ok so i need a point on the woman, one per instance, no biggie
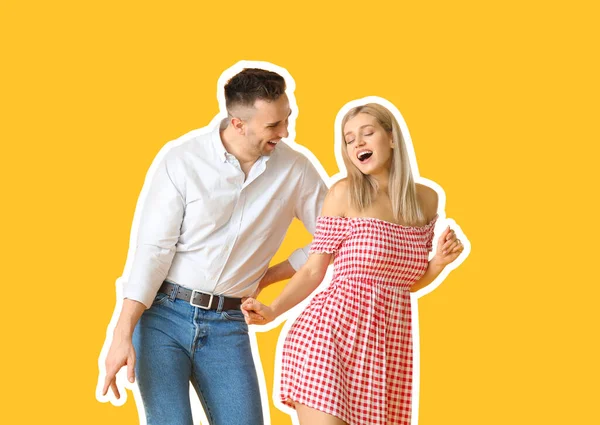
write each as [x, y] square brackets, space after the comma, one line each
[348, 357]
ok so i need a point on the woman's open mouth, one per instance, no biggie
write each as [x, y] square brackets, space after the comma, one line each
[364, 155]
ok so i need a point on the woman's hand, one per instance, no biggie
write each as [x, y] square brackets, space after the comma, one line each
[448, 249]
[256, 313]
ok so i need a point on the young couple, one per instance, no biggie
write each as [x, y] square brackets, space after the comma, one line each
[212, 216]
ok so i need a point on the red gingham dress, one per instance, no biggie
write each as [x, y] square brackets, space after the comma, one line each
[350, 352]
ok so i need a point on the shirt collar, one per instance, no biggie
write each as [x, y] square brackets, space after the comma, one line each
[218, 143]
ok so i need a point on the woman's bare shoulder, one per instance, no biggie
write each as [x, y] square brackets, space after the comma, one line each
[336, 202]
[428, 199]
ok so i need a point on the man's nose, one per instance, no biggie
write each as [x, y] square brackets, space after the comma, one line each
[283, 133]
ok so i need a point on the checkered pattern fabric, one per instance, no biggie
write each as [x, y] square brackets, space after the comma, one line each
[349, 353]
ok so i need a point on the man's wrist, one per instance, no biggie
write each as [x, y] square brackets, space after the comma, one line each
[266, 280]
[276, 274]
[123, 332]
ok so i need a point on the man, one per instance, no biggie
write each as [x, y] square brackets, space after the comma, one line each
[216, 211]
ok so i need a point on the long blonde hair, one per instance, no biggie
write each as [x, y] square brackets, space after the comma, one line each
[401, 186]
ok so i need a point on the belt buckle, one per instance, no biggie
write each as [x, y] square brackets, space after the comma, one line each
[207, 307]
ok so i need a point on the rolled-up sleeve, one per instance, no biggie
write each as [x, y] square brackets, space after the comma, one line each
[308, 208]
[158, 232]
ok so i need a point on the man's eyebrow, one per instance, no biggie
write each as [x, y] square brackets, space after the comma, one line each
[362, 126]
[276, 123]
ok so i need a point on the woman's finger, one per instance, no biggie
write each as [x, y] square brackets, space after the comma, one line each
[256, 321]
[448, 244]
[252, 305]
[459, 247]
[254, 316]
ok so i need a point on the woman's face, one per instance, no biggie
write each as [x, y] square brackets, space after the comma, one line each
[368, 145]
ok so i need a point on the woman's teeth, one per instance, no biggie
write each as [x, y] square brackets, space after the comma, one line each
[364, 155]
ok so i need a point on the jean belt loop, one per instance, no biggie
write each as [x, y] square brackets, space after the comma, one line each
[221, 300]
[174, 292]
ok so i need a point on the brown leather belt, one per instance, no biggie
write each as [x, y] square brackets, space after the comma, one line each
[200, 299]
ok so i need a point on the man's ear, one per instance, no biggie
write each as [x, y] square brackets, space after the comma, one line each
[238, 118]
[238, 125]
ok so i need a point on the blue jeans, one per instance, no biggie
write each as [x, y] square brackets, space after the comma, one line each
[176, 343]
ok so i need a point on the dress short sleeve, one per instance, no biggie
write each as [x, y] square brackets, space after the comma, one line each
[429, 232]
[330, 233]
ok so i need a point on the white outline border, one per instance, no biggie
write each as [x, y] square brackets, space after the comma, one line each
[197, 411]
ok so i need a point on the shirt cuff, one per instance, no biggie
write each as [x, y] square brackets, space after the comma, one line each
[299, 257]
[136, 293]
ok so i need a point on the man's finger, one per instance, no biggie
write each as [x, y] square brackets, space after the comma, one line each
[111, 375]
[106, 385]
[131, 368]
[115, 389]
[249, 301]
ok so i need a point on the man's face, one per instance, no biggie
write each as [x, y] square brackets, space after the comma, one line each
[267, 125]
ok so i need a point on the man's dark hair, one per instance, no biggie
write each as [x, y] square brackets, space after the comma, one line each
[251, 84]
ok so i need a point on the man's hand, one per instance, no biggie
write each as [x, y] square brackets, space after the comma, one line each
[121, 353]
[256, 313]
[121, 350]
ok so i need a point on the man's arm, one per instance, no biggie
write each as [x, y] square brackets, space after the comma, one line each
[277, 273]
[121, 351]
[160, 221]
[158, 232]
[313, 191]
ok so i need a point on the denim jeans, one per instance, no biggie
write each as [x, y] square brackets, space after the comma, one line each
[177, 343]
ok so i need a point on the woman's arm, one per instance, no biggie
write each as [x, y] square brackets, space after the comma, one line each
[448, 250]
[302, 284]
[433, 271]
[310, 275]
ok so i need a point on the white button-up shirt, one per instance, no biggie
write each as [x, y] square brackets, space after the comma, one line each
[205, 226]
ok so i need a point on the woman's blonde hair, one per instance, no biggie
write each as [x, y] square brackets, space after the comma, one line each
[401, 186]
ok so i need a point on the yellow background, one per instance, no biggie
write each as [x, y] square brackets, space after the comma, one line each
[502, 103]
